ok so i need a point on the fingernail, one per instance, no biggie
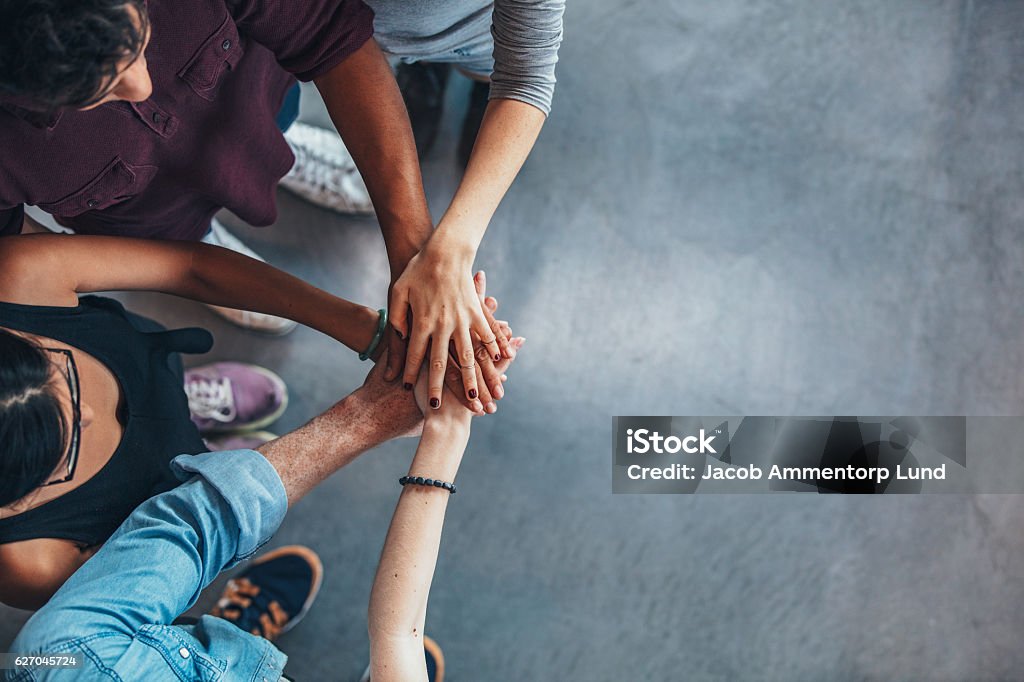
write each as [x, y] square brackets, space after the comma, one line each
[504, 377]
[498, 391]
[435, 402]
[472, 393]
[491, 408]
[407, 386]
[497, 357]
[477, 407]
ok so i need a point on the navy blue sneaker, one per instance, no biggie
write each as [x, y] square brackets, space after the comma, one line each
[435, 662]
[273, 593]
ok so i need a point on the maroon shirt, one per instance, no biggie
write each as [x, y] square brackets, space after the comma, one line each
[205, 140]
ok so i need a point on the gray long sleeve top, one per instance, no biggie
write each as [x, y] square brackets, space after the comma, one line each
[514, 41]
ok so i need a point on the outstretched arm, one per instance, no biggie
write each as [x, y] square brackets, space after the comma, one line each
[398, 601]
[435, 286]
[399, 597]
[51, 270]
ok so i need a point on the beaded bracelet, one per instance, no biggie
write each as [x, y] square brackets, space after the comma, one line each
[419, 480]
[382, 323]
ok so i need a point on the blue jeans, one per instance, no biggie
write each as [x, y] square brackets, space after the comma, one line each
[115, 612]
[289, 109]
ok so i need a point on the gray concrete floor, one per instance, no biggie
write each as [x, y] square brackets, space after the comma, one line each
[739, 207]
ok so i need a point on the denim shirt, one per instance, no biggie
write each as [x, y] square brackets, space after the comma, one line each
[116, 611]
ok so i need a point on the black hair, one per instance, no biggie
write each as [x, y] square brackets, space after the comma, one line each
[33, 430]
[57, 53]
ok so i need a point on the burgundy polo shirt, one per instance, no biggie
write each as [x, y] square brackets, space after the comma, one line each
[205, 140]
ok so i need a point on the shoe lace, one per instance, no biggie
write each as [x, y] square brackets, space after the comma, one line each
[211, 398]
[238, 596]
[326, 172]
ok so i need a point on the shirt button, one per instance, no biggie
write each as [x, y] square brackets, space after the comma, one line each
[92, 203]
[226, 45]
[157, 117]
[183, 652]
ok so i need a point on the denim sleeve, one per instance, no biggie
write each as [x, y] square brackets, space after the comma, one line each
[171, 547]
[527, 35]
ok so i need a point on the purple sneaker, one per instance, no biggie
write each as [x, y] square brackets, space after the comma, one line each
[250, 440]
[226, 397]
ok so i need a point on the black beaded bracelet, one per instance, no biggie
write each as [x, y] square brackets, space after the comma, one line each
[419, 480]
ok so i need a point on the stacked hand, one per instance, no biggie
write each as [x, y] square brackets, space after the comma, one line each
[451, 324]
[475, 378]
[407, 415]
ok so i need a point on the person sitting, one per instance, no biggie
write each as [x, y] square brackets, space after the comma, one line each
[229, 505]
[93, 402]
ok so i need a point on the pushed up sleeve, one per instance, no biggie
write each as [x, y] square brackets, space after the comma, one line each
[527, 35]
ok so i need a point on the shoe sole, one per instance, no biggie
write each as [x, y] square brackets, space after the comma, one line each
[318, 575]
[435, 651]
[311, 199]
[265, 421]
[222, 312]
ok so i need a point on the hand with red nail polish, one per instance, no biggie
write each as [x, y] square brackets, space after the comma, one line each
[478, 385]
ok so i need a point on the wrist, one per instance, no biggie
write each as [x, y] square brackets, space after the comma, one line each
[452, 246]
[440, 452]
[404, 243]
[447, 429]
[357, 328]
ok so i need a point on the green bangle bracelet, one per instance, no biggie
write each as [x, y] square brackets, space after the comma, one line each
[382, 323]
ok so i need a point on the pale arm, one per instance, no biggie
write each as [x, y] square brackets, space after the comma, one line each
[398, 600]
[507, 134]
[399, 597]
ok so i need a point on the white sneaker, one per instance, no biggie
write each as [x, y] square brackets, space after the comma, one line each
[324, 172]
[260, 322]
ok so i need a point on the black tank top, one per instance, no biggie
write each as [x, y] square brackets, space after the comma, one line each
[143, 357]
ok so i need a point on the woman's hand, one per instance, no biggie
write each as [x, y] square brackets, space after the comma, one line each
[453, 409]
[437, 292]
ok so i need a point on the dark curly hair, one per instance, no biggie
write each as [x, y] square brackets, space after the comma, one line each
[33, 430]
[59, 53]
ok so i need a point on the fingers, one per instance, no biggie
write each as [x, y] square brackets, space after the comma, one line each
[504, 363]
[414, 358]
[399, 312]
[435, 379]
[396, 355]
[467, 363]
[397, 334]
[453, 382]
[485, 398]
[499, 346]
[489, 336]
[489, 329]
[480, 282]
[489, 377]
